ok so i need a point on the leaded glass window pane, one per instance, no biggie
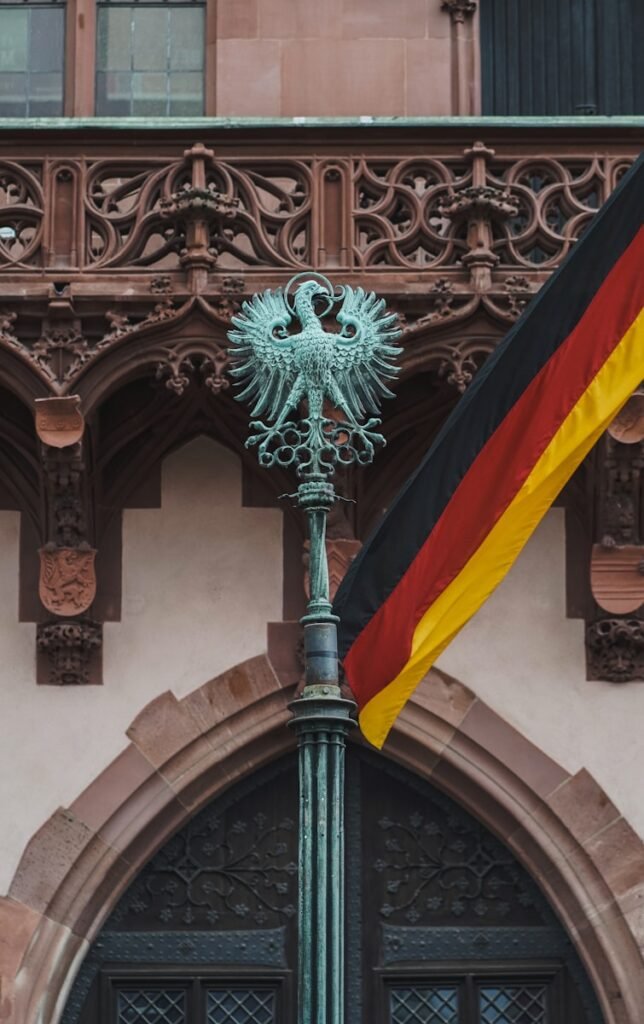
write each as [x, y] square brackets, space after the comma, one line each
[513, 1004]
[424, 1005]
[31, 60]
[241, 1006]
[151, 1006]
[150, 60]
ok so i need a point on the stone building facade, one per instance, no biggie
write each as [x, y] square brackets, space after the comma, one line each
[143, 722]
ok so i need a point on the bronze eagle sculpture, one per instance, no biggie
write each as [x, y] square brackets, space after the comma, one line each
[279, 365]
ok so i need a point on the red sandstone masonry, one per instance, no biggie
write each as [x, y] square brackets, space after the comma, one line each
[616, 851]
[511, 748]
[102, 798]
[583, 805]
[48, 858]
[163, 728]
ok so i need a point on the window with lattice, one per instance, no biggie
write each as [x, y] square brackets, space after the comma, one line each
[467, 998]
[150, 58]
[32, 39]
[190, 997]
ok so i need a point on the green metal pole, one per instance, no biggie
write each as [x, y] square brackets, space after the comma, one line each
[281, 368]
[321, 719]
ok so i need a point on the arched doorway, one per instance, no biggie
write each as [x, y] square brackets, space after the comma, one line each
[443, 925]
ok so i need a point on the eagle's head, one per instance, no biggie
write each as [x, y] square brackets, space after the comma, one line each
[307, 294]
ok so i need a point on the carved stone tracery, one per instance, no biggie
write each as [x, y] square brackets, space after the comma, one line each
[250, 214]
[61, 351]
[22, 201]
[457, 235]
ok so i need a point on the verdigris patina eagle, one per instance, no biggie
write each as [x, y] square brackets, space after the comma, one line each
[279, 366]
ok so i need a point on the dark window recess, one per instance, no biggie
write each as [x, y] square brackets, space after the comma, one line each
[31, 59]
[150, 59]
[544, 57]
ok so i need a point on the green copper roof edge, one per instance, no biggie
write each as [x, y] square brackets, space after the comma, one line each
[245, 123]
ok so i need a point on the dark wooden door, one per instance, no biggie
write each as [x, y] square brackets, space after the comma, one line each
[443, 925]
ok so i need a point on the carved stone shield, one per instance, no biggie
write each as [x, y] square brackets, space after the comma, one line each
[67, 579]
[628, 425]
[616, 577]
[59, 421]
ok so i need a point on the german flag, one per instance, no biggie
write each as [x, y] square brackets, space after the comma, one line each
[533, 412]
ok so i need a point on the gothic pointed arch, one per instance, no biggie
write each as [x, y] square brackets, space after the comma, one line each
[183, 753]
[174, 341]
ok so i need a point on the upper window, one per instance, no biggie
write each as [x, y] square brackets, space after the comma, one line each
[548, 58]
[150, 59]
[31, 58]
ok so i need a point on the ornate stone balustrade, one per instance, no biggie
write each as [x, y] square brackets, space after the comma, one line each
[124, 253]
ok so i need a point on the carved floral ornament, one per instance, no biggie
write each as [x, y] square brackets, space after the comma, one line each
[616, 650]
[68, 647]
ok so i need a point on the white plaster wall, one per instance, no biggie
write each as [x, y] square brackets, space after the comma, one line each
[201, 578]
[523, 657]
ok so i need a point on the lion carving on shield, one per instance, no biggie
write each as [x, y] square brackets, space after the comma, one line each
[67, 579]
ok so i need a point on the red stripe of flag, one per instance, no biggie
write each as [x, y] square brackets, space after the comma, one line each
[383, 647]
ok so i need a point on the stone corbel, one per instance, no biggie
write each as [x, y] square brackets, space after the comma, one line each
[68, 643]
[459, 10]
[615, 649]
[69, 651]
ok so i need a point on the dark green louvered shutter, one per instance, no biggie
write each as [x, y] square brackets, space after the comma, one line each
[548, 57]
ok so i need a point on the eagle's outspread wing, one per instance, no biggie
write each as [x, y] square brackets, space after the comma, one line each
[262, 352]
[364, 351]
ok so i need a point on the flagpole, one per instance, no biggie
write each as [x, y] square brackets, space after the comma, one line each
[346, 370]
[321, 720]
